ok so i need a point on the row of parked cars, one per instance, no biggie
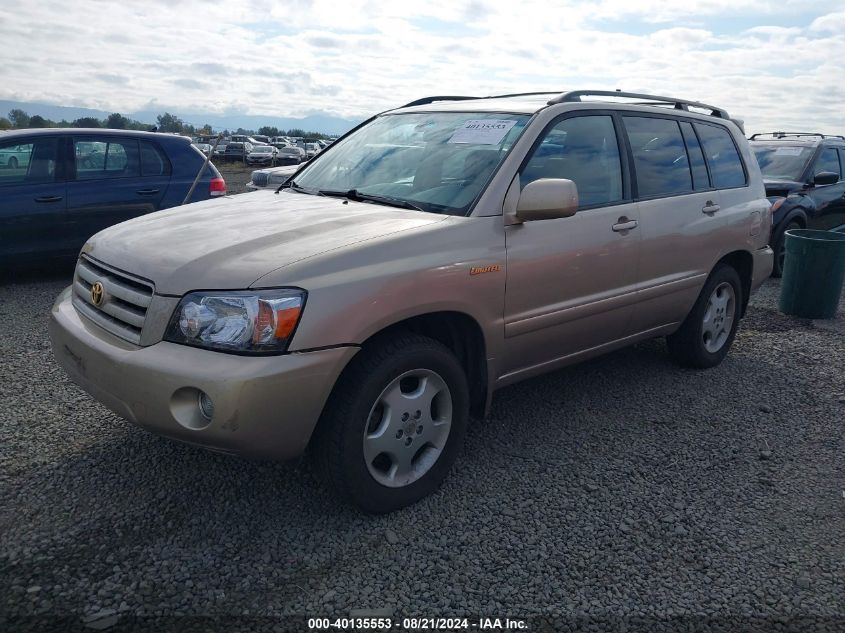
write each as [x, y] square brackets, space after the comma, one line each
[262, 150]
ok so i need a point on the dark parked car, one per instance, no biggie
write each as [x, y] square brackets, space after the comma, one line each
[805, 180]
[237, 150]
[67, 184]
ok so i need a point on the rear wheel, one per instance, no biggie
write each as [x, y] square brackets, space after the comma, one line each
[707, 333]
[394, 424]
[780, 249]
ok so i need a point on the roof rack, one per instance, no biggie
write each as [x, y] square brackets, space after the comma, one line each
[785, 134]
[427, 100]
[679, 104]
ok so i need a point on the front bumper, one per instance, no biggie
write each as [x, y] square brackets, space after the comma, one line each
[264, 406]
[764, 259]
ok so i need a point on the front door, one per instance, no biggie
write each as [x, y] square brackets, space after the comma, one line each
[571, 282]
[828, 200]
[32, 198]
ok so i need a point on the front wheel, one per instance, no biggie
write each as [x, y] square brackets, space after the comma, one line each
[707, 333]
[780, 250]
[394, 423]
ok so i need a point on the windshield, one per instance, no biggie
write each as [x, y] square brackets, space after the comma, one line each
[438, 162]
[263, 149]
[781, 162]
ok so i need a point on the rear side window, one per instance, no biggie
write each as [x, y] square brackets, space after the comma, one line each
[722, 156]
[700, 179]
[582, 149]
[33, 161]
[101, 159]
[660, 156]
[828, 161]
[153, 161]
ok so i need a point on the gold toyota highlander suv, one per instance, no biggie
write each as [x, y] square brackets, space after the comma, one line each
[434, 254]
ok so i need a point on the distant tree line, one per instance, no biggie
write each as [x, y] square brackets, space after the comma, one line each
[18, 119]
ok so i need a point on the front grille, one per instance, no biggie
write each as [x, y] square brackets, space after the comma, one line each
[124, 303]
[260, 180]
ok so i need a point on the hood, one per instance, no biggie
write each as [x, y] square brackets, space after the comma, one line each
[231, 242]
[781, 187]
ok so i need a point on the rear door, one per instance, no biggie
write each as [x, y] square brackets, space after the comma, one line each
[109, 184]
[829, 200]
[32, 197]
[680, 217]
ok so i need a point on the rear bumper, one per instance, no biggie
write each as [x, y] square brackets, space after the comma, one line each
[263, 406]
[764, 259]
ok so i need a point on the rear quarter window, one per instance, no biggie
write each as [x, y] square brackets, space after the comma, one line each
[153, 160]
[726, 168]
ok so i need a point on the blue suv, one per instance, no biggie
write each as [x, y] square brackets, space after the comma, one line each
[58, 187]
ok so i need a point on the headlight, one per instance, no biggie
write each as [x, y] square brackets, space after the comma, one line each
[245, 322]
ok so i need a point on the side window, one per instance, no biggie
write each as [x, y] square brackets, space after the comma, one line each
[842, 161]
[722, 157]
[660, 156]
[153, 161]
[115, 158]
[828, 161]
[28, 162]
[583, 149]
[700, 179]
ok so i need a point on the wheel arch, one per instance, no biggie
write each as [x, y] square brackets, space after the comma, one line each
[462, 335]
[743, 263]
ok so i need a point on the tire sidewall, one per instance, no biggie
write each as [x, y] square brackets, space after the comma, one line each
[720, 275]
[365, 490]
[780, 244]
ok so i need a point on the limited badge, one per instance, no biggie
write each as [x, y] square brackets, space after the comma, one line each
[98, 293]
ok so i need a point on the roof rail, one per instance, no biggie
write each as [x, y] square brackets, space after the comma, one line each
[523, 94]
[679, 104]
[785, 134]
[427, 100]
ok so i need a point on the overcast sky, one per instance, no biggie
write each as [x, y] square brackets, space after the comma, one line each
[778, 65]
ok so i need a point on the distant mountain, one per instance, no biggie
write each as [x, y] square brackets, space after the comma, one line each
[320, 122]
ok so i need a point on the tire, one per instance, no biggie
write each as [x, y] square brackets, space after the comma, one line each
[420, 444]
[780, 249]
[707, 333]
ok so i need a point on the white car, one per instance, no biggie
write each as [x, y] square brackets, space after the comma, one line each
[262, 155]
[271, 177]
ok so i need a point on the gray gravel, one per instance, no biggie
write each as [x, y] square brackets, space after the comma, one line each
[623, 487]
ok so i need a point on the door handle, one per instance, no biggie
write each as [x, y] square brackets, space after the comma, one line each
[623, 224]
[709, 207]
[48, 199]
[147, 192]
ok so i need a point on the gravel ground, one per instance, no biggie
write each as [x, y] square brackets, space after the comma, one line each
[624, 487]
[236, 175]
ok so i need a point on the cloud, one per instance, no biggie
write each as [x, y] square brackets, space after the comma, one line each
[356, 57]
[832, 22]
[112, 79]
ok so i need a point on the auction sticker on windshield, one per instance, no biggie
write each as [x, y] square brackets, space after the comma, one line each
[482, 131]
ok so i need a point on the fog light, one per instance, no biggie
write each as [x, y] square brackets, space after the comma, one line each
[206, 405]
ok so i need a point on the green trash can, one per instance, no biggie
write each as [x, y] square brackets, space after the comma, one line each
[813, 273]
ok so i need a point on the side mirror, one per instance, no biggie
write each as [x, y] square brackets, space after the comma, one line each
[547, 199]
[825, 178]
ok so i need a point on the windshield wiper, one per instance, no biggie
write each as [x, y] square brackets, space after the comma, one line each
[357, 196]
[290, 184]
